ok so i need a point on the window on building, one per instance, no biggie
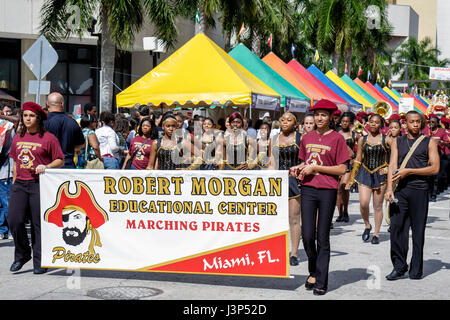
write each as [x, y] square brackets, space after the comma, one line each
[10, 67]
[122, 74]
[74, 75]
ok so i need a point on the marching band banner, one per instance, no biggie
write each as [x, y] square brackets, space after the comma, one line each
[202, 222]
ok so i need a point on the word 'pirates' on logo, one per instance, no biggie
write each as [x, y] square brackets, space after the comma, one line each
[79, 215]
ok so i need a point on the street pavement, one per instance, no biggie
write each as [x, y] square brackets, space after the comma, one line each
[357, 271]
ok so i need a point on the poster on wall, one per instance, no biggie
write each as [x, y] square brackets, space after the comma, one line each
[201, 222]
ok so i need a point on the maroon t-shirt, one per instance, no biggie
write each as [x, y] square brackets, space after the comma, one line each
[140, 160]
[441, 135]
[31, 150]
[324, 150]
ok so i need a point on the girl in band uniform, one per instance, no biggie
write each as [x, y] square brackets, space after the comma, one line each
[350, 137]
[285, 147]
[167, 153]
[239, 148]
[370, 172]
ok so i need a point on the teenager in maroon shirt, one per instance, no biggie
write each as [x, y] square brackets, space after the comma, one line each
[33, 150]
[325, 155]
[147, 132]
[440, 136]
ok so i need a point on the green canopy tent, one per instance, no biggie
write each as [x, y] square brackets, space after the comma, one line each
[291, 98]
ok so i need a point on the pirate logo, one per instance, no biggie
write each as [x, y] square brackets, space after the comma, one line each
[78, 214]
[26, 159]
[314, 158]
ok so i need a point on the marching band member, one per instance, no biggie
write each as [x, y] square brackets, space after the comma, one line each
[211, 142]
[411, 195]
[167, 153]
[350, 137]
[370, 172]
[285, 148]
[325, 155]
[239, 148]
[263, 147]
[442, 139]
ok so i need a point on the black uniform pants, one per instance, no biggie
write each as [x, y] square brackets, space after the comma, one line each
[24, 204]
[317, 208]
[411, 212]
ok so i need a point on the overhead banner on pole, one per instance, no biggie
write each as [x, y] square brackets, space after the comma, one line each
[218, 222]
[438, 73]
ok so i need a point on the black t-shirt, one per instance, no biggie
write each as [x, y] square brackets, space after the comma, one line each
[419, 159]
[67, 131]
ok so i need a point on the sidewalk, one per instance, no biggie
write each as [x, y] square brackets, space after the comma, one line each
[357, 271]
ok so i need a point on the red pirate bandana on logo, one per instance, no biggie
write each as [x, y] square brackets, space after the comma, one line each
[82, 203]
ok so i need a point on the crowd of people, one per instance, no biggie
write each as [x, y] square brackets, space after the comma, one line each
[328, 154]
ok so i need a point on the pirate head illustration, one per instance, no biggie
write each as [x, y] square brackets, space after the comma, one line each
[26, 158]
[78, 214]
[314, 158]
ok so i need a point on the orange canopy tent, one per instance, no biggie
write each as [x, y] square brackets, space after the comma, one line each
[293, 78]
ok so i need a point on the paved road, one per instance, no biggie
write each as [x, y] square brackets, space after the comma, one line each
[357, 271]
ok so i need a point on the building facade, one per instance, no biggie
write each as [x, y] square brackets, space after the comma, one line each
[76, 75]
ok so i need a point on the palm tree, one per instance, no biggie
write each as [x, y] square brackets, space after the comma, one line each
[119, 21]
[413, 59]
[338, 22]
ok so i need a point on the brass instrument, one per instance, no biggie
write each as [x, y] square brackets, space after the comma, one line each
[402, 115]
[359, 128]
[382, 108]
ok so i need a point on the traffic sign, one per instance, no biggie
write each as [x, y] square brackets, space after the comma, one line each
[40, 58]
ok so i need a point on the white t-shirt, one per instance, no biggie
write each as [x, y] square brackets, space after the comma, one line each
[108, 141]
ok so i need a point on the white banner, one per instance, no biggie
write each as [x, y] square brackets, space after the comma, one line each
[213, 222]
[405, 105]
[438, 73]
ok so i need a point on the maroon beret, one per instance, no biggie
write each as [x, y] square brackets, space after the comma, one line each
[361, 114]
[395, 117]
[235, 115]
[324, 104]
[34, 107]
[359, 119]
[337, 112]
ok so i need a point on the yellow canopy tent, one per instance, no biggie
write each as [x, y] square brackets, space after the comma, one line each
[199, 73]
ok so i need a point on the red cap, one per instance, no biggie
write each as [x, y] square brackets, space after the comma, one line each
[34, 107]
[394, 117]
[361, 114]
[337, 113]
[324, 104]
[433, 116]
[359, 119]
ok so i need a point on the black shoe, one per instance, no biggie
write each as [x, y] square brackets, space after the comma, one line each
[319, 292]
[389, 229]
[39, 270]
[375, 240]
[415, 277]
[433, 199]
[346, 218]
[339, 219]
[395, 275]
[17, 265]
[366, 234]
[308, 285]
[293, 261]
